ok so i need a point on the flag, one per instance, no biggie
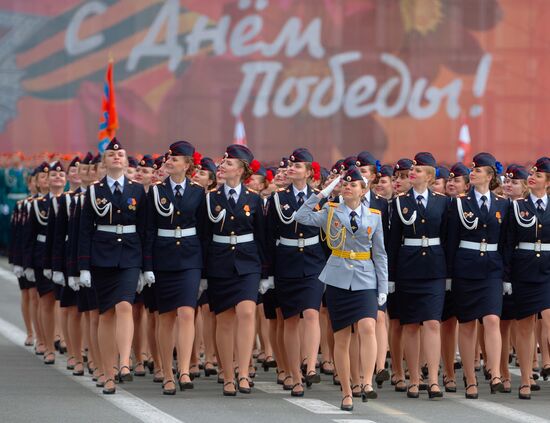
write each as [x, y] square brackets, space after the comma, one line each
[109, 120]
[464, 144]
[239, 136]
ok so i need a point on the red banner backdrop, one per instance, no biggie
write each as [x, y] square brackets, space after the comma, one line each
[336, 76]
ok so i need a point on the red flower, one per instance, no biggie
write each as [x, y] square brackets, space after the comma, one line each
[197, 157]
[316, 171]
[269, 175]
[255, 165]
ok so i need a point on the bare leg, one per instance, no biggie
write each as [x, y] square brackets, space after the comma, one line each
[292, 348]
[467, 345]
[493, 344]
[525, 328]
[225, 325]
[397, 350]
[326, 350]
[138, 341]
[186, 335]
[342, 359]
[107, 339]
[75, 336]
[432, 350]
[26, 313]
[448, 350]
[505, 329]
[355, 362]
[366, 329]
[246, 329]
[411, 341]
[47, 321]
[381, 340]
[124, 332]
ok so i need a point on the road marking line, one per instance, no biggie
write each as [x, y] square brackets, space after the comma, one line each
[8, 276]
[270, 388]
[397, 414]
[316, 406]
[354, 421]
[499, 410]
[123, 400]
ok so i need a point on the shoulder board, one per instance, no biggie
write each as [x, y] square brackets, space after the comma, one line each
[501, 197]
[95, 182]
[438, 193]
[376, 211]
[332, 204]
[281, 189]
[401, 194]
[252, 190]
[193, 183]
[316, 191]
[213, 190]
[462, 195]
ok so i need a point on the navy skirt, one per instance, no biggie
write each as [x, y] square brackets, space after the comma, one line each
[420, 299]
[296, 295]
[508, 307]
[530, 298]
[177, 289]
[346, 307]
[150, 298]
[138, 299]
[25, 284]
[203, 299]
[114, 285]
[69, 297]
[82, 300]
[43, 285]
[477, 298]
[270, 304]
[226, 293]
[57, 291]
[449, 308]
[393, 306]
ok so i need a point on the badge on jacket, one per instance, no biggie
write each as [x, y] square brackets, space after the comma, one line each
[132, 203]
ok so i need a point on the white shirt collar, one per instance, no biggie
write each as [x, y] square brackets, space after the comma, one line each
[173, 185]
[479, 195]
[237, 189]
[367, 198]
[357, 210]
[424, 194]
[111, 182]
[544, 200]
[297, 191]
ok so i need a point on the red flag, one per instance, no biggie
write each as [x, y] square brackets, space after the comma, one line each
[463, 151]
[239, 136]
[109, 120]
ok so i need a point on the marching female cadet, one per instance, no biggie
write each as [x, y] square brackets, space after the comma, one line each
[477, 226]
[144, 176]
[298, 259]
[205, 176]
[234, 263]
[441, 178]
[514, 188]
[35, 248]
[355, 275]
[384, 187]
[131, 169]
[68, 301]
[457, 184]
[402, 184]
[528, 256]
[417, 265]
[112, 230]
[29, 300]
[173, 258]
[370, 169]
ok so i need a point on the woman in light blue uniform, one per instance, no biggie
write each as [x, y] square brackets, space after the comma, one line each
[356, 273]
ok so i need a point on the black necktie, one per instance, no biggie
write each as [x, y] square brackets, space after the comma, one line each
[301, 198]
[483, 208]
[117, 194]
[420, 203]
[232, 201]
[178, 189]
[353, 222]
[540, 207]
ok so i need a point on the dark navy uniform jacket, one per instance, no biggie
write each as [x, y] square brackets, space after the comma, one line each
[474, 264]
[105, 249]
[411, 262]
[379, 203]
[60, 243]
[53, 217]
[291, 262]
[73, 230]
[34, 250]
[524, 265]
[16, 232]
[170, 253]
[223, 260]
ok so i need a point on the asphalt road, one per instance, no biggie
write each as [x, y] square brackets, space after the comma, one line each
[31, 391]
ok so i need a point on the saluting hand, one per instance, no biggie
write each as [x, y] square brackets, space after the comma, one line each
[326, 192]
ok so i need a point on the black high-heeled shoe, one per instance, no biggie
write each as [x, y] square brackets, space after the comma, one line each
[109, 391]
[252, 374]
[244, 389]
[139, 373]
[158, 377]
[209, 371]
[506, 390]
[285, 386]
[312, 377]
[56, 344]
[126, 377]
[545, 372]
[294, 393]
[346, 407]
[381, 376]
[194, 375]
[230, 393]
[328, 372]
[78, 372]
[334, 380]
[185, 385]
[49, 354]
[368, 394]
[434, 394]
[446, 382]
[99, 384]
[70, 366]
[524, 396]
[496, 387]
[171, 391]
[402, 388]
[412, 394]
[269, 363]
[355, 394]
[471, 396]
[151, 366]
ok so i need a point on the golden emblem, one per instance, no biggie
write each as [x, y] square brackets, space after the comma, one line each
[352, 255]
[163, 201]
[218, 208]
[405, 210]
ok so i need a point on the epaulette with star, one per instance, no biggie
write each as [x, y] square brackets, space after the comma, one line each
[333, 204]
[253, 191]
[376, 211]
[196, 184]
[462, 195]
[438, 193]
[401, 194]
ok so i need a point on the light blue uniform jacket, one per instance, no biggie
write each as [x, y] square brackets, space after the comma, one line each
[347, 273]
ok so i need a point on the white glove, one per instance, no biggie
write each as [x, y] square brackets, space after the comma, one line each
[506, 288]
[391, 287]
[326, 192]
[47, 273]
[448, 284]
[382, 299]
[266, 284]
[58, 278]
[18, 271]
[203, 285]
[85, 278]
[141, 283]
[73, 283]
[149, 278]
[29, 274]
